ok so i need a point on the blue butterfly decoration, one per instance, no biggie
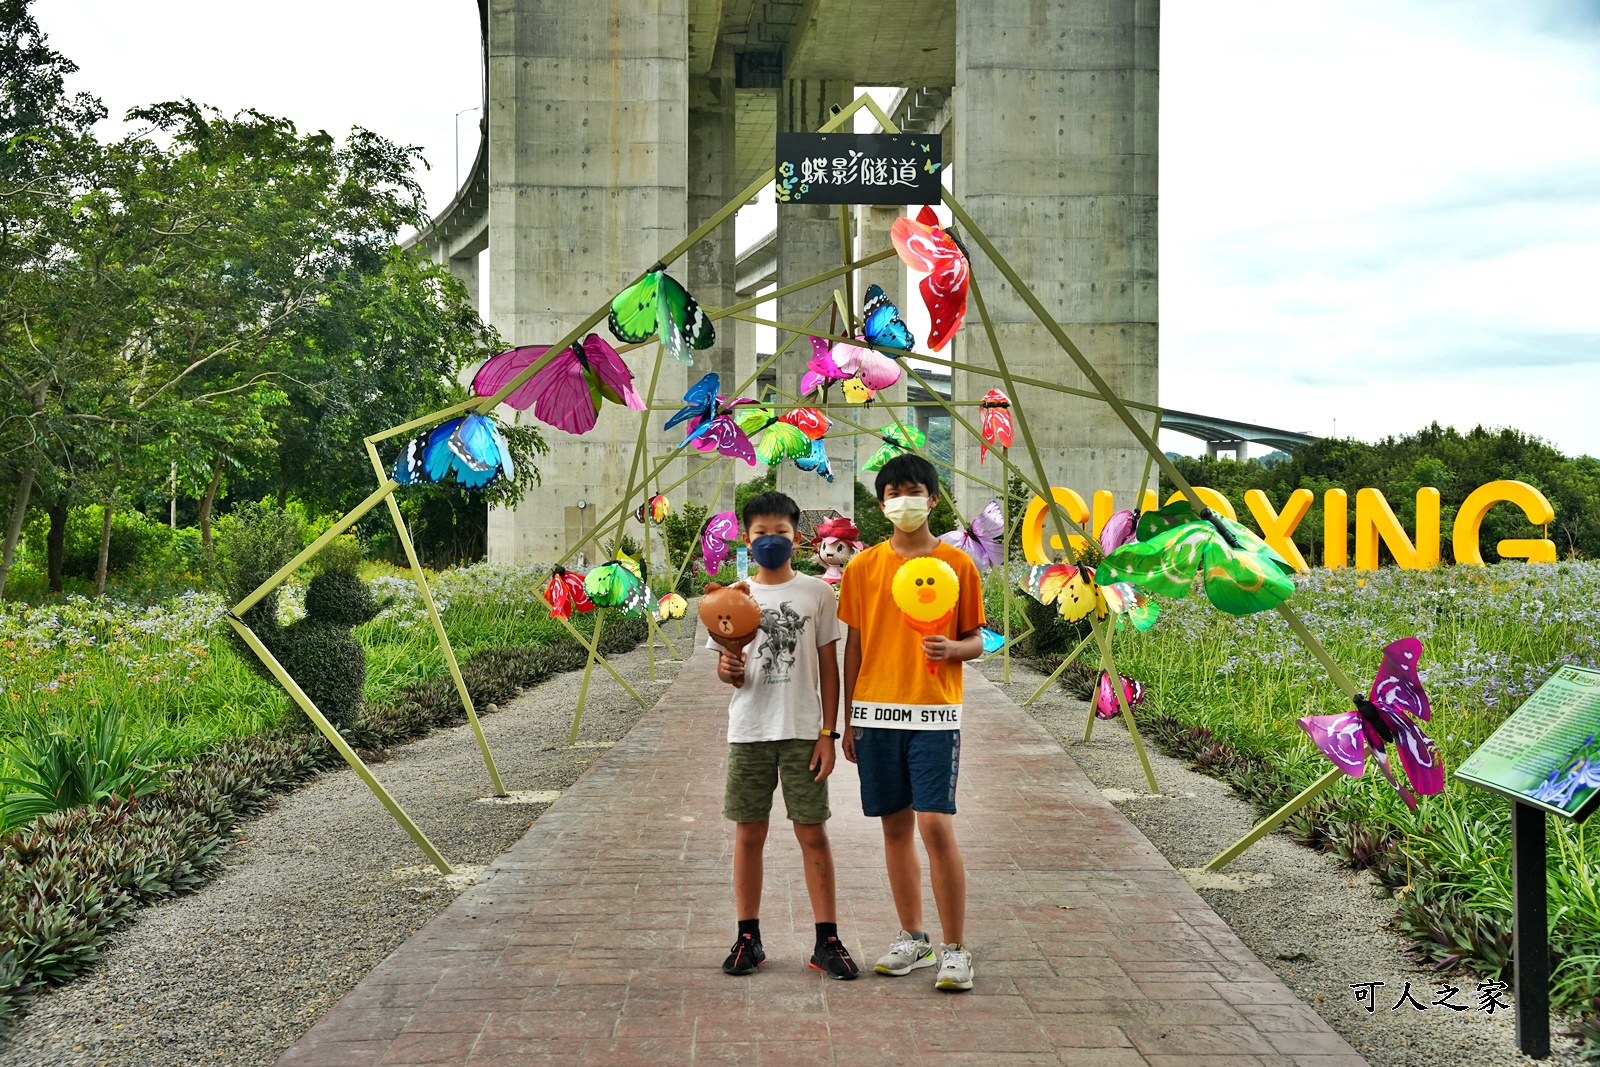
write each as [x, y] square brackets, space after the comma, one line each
[882, 324]
[699, 402]
[471, 446]
[992, 642]
[817, 461]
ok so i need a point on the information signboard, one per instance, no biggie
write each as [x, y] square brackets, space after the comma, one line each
[859, 168]
[1547, 754]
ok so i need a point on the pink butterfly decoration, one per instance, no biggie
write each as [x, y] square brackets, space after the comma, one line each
[1105, 700]
[722, 435]
[565, 392]
[821, 370]
[1118, 531]
[722, 529]
[981, 540]
[1389, 713]
[876, 370]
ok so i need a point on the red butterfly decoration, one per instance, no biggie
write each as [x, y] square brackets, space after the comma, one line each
[996, 429]
[925, 246]
[564, 593]
[808, 421]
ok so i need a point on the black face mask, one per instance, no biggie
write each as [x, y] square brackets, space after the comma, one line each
[772, 551]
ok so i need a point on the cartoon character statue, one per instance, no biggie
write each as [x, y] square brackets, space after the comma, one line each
[837, 541]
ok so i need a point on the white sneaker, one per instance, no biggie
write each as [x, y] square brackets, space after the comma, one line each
[955, 968]
[906, 954]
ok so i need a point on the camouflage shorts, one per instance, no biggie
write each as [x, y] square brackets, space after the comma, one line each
[755, 768]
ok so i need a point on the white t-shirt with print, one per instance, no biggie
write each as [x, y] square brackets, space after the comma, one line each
[781, 697]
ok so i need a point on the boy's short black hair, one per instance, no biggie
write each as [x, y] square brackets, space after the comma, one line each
[772, 505]
[906, 469]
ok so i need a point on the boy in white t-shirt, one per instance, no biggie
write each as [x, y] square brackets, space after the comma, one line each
[781, 729]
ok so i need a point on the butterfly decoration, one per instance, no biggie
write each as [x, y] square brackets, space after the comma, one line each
[616, 584]
[722, 529]
[863, 371]
[671, 606]
[564, 593]
[992, 642]
[1072, 589]
[980, 540]
[724, 436]
[996, 428]
[1242, 574]
[657, 304]
[896, 439]
[1118, 531]
[1128, 602]
[654, 510]
[1105, 698]
[1389, 713]
[808, 421]
[816, 461]
[470, 446]
[779, 440]
[925, 246]
[881, 324]
[701, 402]
[566, 392]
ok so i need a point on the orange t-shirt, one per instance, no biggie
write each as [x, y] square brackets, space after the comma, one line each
[894, 688]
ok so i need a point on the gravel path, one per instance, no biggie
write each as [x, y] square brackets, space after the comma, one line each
[321, 888]
[1319, 926]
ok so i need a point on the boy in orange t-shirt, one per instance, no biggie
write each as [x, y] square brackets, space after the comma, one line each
[904, 732]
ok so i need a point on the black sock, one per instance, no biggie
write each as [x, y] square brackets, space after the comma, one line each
[751, 927]
[825, 931]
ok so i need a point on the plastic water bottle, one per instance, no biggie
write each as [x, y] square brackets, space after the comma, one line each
[741, 563]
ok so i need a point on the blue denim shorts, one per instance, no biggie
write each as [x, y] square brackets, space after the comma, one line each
[902, 769]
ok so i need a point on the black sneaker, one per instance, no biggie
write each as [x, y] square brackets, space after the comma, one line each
[832, 958]
[744, 957]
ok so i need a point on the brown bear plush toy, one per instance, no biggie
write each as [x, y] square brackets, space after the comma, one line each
[731, 615]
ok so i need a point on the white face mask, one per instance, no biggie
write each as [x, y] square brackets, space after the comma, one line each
[907, 512]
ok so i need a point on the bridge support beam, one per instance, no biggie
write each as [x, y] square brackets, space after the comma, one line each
[873, 223]
[587, 172]
[1055, 156]
[711, 271]
[808, 244]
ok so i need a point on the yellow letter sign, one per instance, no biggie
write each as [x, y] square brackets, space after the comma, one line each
[1473, 509]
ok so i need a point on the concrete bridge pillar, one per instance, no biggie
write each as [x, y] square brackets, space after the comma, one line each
[873, 224]
[1055, 110]
[808, 243]
[588, 115]
[711, 274]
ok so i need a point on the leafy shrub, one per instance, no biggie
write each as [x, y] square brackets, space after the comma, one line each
[68, 878]
[88, 760]
[681, 531]
[137, 543]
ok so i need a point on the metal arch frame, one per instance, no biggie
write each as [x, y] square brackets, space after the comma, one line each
[1039, 483]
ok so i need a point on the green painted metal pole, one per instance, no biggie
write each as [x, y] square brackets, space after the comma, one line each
[1273, 821]
[421, 580]
[350, 518]
[588, 669]
[1071, 656]
[340, 745]
[593, 651]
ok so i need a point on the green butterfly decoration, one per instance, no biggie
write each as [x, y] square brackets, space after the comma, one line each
[657, 305]
[1242, 574]
[779, 440]
[617, 585]
[896, 439]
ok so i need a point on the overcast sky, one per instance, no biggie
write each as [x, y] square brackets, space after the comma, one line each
[1382, 212]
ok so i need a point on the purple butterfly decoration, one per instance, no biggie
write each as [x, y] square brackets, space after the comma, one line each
[981, 540]
[1388, 714]
[722, 435]
[721, 530]
[822, 369]
[566, 391]
[1118, 531]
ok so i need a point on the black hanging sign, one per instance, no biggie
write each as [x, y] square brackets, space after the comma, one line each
[859, 168]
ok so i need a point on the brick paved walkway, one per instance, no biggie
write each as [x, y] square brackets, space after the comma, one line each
[597, 938]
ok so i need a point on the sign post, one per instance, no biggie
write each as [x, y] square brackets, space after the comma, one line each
[1546, 759]
[858, 168]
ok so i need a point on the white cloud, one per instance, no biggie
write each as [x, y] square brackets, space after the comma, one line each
[400, 68]
[1384, 212]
